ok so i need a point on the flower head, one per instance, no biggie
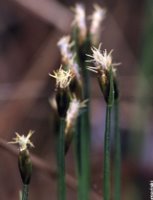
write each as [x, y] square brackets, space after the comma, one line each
[104, 67]
[73, 112]
[80, 21]
[62, 77]
[68, 57]
[23, 141]
[64, 46]
[96, 18]
[73, 65]
[102, 60]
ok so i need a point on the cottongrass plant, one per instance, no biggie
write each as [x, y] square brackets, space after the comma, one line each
[106, 74]
[24, 161]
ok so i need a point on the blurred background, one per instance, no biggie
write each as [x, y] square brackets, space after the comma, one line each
[29, 31]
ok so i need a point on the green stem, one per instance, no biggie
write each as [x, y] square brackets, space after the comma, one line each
[25, 192]
[106, 184]
[83, 127]
[117, 170]
[110, 103]
[77, 146]
[82, 158]
[61, 162]
[85, 169]
[85, 139]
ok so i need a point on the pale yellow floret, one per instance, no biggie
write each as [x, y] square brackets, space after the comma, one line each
[63, 78]
[23, 141]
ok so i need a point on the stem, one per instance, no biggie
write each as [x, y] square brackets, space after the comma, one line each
[78, 145]
[83, 127]
[61, 162]
[85, 169]
[82, 158]
[85, 139]
[25, 192]
[110, 103]
[78, 155]
[106, 189]
[117, 170]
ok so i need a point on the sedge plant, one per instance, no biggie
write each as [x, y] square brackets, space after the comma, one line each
[81, 41]
[24, 161]
[74, 50]
[106, 75]
[76, 90]
[63, 79]
[83, 37]
[72, 95]
[69, 106]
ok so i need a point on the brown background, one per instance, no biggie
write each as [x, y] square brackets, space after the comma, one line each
[29, 31]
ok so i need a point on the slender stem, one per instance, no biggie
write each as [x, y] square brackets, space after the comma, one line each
[78, 155]
[61, 162]
[117, 170]
[78, 145]
[83, 127]
[85, 140]
[106, 184]
[25, 192]
[85, 146]
[82, 159]
[110, 103]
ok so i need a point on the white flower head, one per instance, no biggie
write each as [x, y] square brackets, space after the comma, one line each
[65, 46]
[23, 141]
[73, 112]
[73, 65]
[102, 60]
[67, 56]
[80, 21]
[96, 18]
[63, 78]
